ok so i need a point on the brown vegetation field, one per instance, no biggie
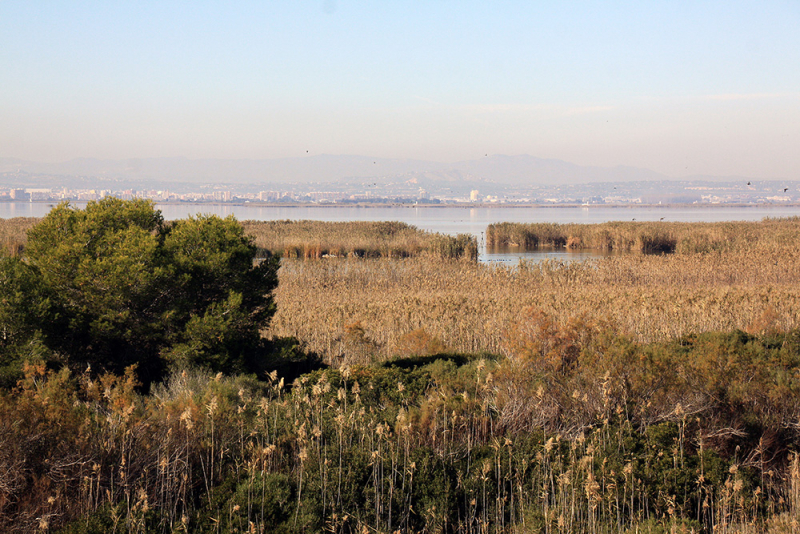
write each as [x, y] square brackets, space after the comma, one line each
[350, 308]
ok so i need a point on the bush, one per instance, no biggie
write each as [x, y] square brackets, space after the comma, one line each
[114, 285]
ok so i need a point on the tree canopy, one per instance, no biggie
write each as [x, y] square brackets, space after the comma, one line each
[115, 284]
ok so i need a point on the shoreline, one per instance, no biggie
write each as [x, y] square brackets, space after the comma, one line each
[481, 205]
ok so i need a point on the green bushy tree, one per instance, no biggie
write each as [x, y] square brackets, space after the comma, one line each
[114, 284]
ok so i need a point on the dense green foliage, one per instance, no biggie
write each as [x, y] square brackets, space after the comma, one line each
[115, 285]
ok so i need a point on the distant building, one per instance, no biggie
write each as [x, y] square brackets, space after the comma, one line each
[266, 196]
[19, 194]
[326, 196]
[474, 195]
[222, 196]
[39, 194]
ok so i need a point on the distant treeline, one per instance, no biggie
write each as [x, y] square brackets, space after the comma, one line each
[648, 237]
[363, 239]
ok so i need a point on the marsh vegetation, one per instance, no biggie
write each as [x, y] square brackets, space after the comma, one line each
[469, 307]
[409, 390]
[650, 237]
[318, 239]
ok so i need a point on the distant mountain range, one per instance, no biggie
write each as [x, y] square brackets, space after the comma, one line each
[520, 170]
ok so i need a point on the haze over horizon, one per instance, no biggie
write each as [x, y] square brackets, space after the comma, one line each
[684, 89]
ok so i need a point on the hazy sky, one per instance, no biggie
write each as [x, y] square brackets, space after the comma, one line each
[679, 87]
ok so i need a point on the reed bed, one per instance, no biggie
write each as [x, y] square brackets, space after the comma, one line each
[317, 239]
[650, 237]
[417, 446]
[354, 309]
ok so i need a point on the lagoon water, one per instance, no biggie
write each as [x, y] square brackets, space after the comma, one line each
[456, 220]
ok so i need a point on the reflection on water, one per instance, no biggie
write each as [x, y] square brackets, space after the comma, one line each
[512, 256]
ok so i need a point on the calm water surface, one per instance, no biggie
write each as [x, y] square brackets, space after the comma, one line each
[455, 220]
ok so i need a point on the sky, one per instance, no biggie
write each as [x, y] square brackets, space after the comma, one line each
[681, 87]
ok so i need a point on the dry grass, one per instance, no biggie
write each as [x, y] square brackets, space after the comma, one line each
[678, 237]
[13, 233]
[470, 306]
[316, 239]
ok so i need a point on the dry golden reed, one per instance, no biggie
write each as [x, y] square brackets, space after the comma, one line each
[13, 233]
[649, 237]
[468, 306]
[317, 239]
